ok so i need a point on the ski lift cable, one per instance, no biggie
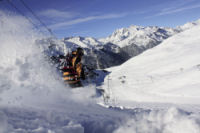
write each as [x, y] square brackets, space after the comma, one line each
[20, 12]
[44, 25]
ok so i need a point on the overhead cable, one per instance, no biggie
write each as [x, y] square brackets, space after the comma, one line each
[43, 24]
[20, 12]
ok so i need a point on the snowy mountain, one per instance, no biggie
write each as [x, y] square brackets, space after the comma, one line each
[138, 35]
[168, 73]
[128, 42]
[120, 46]
[123, 44]
[136, 39]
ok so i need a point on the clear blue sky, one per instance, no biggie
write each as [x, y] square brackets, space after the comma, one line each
[99, 18]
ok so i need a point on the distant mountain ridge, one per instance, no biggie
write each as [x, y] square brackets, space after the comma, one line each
[141, 36]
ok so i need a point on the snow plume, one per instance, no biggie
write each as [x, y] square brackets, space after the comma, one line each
[25, 75]
[33, 98]
[169, 121]
[3, 123]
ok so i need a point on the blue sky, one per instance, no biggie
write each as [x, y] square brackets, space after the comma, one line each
[99, 18]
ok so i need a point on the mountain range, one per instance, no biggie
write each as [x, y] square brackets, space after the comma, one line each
[121, 45]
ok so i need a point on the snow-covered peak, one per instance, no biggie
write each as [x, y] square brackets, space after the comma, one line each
[138, 35]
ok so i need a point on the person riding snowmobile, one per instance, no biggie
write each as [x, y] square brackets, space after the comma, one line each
[73, 69]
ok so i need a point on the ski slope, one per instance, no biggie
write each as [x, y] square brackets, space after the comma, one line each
[168, 73]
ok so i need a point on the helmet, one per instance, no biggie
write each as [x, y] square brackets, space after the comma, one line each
[80, 51]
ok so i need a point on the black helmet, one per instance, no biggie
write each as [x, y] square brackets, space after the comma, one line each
[80, 51]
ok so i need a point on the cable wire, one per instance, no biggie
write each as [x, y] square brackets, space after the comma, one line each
[45, 26]
[20, 12]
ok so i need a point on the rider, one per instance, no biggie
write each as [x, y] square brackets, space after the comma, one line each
[73, 69]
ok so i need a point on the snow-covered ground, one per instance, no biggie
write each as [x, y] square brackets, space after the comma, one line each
[33, 98]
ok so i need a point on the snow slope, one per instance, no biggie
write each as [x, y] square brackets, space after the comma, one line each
[168, 73]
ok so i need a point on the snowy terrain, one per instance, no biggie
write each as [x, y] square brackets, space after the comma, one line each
[33, 98]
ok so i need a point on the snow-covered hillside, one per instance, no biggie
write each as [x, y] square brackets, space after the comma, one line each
[168, 73]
